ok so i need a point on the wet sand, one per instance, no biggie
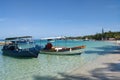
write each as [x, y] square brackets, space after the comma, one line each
[105, 67]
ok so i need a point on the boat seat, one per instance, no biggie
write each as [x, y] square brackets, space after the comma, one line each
[57, 49]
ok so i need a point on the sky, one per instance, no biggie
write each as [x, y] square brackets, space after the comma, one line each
[46, 18]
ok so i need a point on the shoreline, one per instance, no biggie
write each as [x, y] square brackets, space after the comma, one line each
[3, 43]
[114, 41]
[105, 67]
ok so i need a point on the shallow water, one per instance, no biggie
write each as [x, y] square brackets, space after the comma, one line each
[51, 65]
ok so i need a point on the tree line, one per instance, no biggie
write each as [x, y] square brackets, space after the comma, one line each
[100, 36]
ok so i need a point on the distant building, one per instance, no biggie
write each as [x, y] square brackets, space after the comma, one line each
[86, 39]
[111, 39]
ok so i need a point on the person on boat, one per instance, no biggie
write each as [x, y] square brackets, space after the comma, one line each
[48, 46]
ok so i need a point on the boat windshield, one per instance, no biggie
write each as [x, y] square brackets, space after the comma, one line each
[25, 45]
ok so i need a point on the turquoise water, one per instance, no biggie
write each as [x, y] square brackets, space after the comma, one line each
[51, 65]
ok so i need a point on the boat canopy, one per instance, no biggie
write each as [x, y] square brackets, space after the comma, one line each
[13, 38]
[52, 38]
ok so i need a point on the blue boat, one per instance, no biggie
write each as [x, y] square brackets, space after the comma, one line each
[12, 47]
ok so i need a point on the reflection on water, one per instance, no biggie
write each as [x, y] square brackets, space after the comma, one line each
[46, 65]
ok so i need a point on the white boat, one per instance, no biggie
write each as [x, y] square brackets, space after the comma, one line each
[52, 50]
[63, 51]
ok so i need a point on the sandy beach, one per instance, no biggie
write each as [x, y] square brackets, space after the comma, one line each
[105, 67]
[115, 42]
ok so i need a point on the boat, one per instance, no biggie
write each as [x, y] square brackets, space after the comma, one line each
[15, 49]
[52, 50]
[64, 51]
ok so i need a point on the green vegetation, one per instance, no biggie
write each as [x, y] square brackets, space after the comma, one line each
[100, 36]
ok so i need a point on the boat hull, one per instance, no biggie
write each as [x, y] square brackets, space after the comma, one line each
[20, 53]
[75, 52]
